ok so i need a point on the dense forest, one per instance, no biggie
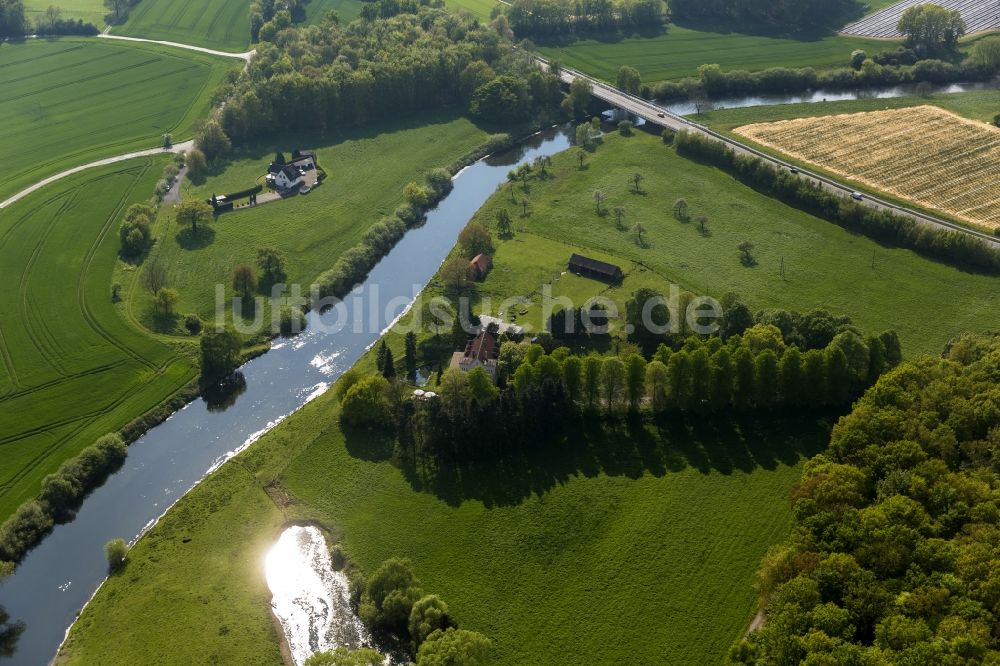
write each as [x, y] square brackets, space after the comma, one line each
[551, 17]
[327, 75]
[895, 552]
[776, 15]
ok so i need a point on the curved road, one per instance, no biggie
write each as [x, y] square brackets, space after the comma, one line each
[658, 115]
[176, 148]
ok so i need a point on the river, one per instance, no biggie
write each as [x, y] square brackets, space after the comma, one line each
[689, 107]
[57, 578]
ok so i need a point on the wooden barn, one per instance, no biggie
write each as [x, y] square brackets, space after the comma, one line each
[594, 269]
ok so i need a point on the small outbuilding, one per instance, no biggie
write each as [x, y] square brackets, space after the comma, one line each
[480, 265]
[594, 269]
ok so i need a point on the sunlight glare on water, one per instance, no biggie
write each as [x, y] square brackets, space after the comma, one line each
[310, 599]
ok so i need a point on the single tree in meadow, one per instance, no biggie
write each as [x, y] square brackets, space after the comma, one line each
[115, 552]
[154, 275]
[244, 282]
[192, 213]
[636, 179]
[746, 253]
[164, 302]
[271, 264]
[581, 157]
[639, 230]
[599, 197]
[703, 225]
[503, 222]
[619, 212]
[681, 210]
[116, 7]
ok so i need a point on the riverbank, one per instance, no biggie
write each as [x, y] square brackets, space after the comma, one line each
[603, 533]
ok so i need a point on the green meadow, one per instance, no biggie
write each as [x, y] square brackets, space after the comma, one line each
[92, 11]
[614, 541]
[480, 8]
[70, 101]
[366, 172]
[72, 368]
[347, 10]
[679, 51]
[611, 539]
[223, 25]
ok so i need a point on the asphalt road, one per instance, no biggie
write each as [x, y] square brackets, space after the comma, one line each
[657, 115]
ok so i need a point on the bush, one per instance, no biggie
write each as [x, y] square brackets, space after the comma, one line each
[429, 614]
[192, 323]
[220, 353]
[365, 403]
[389, 596]
[454, 647]
[116, 550]
[292, 321]
[338, 560]
[23, 530]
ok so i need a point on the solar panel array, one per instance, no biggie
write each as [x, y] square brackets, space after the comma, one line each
[979, 15]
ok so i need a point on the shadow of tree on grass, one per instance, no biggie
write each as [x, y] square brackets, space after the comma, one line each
[631, 448]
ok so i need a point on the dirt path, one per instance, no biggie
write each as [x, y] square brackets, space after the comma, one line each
[756, 623]
[200, 49]
[177, 148]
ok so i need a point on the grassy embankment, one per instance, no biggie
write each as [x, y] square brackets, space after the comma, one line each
[70, 101]
[91, 11]
[223, 25]
[366, 172]
[72, 368]
[608, 545]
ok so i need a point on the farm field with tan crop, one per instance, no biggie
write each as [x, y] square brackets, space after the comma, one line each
[931, 157]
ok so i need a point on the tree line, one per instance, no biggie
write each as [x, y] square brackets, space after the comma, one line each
[954, 247]
[61, 494]
[14, 22]
[893, 556]
[555, 17]
[316, 77]
[540, 389]
[882, 69]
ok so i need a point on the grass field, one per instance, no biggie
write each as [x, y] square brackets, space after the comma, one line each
[366, 170]
[68, 101]
[931, 157]
[223, 25]
[480, 8]
[72, 369]
[903, 291]
[679, 52]
[616, 545]
[347, 10]
[92, 11]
